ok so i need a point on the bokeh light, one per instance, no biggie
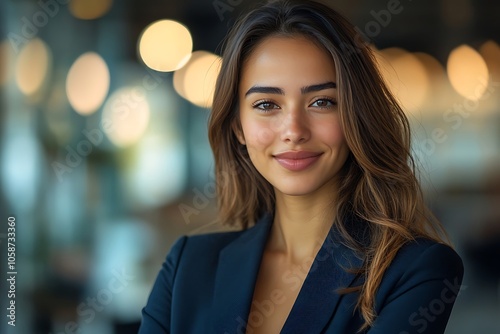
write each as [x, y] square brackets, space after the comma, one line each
[87, 83]
[147, 182]
[89, 9]
[32, 66]
[21, 169]
[165, 45]
[385, 59]
[490, 51]
[126, 116]
[196, 80]
[438, 97]
[467, 72]
[406, 77]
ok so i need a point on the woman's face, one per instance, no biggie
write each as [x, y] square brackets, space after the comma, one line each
[289, 116]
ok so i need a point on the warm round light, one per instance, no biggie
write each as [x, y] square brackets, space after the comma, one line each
[392, 53]
[490, 51]
[125, 116]
[87, 83]
[439, 88]
[406, 77]
[196, 80]
[384, 59]
[165, 45]
[89, 9]
[32, 66]
[433, 67]
[467, 72]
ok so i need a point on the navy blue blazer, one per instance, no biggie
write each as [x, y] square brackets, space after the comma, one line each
[206, 285]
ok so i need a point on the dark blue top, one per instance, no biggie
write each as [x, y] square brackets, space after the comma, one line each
[206, 285]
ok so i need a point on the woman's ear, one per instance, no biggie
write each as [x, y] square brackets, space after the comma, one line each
[235, 125]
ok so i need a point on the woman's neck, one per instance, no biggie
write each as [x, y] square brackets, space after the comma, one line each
[301, 224]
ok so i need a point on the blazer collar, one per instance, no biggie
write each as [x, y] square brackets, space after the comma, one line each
[237, 271]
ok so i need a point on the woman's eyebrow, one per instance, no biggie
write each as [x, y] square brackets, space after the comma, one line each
[303, 90]
[318, 87]
[265, 90]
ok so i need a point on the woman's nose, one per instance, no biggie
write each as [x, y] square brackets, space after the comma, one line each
[295, 128]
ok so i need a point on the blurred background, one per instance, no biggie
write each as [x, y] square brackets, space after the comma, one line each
[104, 157]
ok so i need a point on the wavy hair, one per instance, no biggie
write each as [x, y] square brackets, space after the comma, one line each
[378, 185]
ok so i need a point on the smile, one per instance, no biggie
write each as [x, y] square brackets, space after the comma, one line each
[297, 161]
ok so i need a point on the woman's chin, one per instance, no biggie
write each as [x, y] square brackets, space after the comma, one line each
[295, 189]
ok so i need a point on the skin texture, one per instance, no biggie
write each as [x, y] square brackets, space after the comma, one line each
[290, 120]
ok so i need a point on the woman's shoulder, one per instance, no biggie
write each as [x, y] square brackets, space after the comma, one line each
[206, 244]
[428, 253]
[423, 260]
[215, 241]
[424, 275]
[204, 241]
[212, 240]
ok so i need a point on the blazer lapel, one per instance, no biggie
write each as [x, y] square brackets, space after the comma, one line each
[237, 270]
[238, 266]
[318, 298]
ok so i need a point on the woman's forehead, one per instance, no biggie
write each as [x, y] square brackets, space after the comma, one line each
[287, 62]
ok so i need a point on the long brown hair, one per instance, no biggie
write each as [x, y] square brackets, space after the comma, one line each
[378, 184]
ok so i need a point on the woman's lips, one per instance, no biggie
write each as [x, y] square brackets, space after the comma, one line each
[297, 160]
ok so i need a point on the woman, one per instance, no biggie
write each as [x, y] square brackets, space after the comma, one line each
[313, 159]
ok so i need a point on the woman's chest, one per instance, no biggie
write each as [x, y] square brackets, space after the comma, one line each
[276, 290]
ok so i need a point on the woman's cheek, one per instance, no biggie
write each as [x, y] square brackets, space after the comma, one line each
[259, 134]
[332, 132]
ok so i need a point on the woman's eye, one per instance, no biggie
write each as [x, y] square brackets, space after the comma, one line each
[266, 105]
[324, 103]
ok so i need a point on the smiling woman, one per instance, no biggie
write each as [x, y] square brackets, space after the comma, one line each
[312, 157]
[289, 117]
